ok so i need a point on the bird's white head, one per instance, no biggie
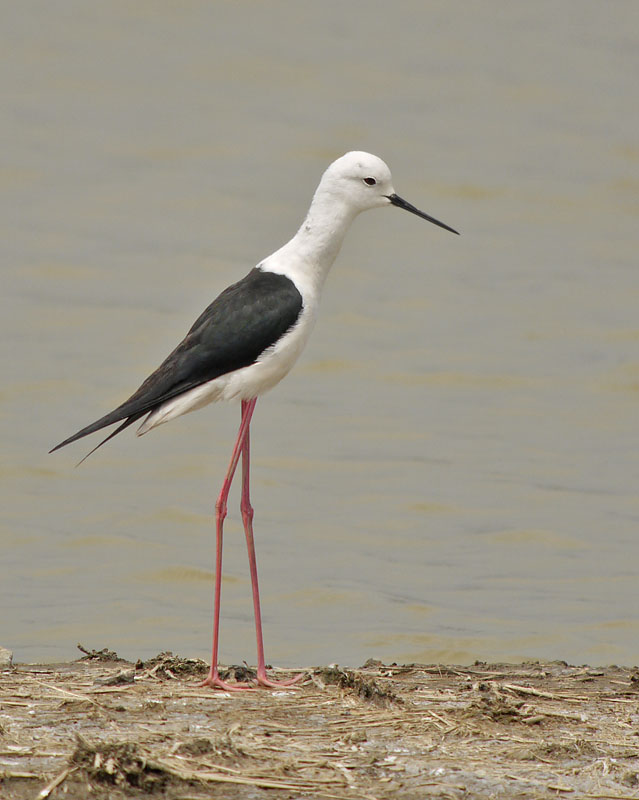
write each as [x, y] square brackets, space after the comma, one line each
[361, 181]
[355, 182]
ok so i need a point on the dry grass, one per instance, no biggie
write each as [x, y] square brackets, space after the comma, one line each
[107, 729]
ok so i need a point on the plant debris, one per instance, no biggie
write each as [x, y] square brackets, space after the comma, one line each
[98, 655]
[364, 687]
[118, 764]
[487, 731]
[169, 667]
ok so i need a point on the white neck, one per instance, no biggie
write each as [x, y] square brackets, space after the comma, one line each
[309, 255]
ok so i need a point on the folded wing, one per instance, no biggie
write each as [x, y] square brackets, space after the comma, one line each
[238, 326]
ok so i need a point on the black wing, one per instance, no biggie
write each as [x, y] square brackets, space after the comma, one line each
[238, 326]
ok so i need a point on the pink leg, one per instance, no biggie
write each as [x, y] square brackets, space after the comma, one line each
[213, 679]
[247, 517]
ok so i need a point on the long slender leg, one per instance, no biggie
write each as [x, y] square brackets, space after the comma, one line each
[213, 679]
[247, 517]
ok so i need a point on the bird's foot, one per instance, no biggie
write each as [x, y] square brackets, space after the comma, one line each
[215, 682]
[265, 681]
[261, 679]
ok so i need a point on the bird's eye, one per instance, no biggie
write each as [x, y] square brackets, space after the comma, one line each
[370, 181]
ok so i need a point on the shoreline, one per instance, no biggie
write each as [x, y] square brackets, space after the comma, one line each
[108, 728]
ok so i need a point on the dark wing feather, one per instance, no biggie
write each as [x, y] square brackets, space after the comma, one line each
[238, 326]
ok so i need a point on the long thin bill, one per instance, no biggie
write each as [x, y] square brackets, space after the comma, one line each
[398, 201]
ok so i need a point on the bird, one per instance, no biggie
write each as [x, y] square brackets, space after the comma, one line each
[247, 340]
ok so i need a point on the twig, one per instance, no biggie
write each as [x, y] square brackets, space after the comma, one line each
[217, 777]
[513, 687]
[7, 773]
[44, 793]
[75, 696]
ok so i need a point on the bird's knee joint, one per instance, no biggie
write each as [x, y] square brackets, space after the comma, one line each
[220, 510]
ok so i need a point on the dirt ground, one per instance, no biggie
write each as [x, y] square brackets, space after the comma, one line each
[104, 728]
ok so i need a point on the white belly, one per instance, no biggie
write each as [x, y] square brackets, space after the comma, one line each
[244, 383]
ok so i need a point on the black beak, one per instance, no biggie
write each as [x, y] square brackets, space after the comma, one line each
[396, 200]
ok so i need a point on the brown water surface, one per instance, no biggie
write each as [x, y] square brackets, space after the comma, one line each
[451, 472]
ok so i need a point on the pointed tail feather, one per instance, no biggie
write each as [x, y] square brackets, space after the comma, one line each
[103, 422]
[124, 425]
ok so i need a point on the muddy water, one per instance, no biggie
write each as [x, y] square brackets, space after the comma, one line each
[451, 471]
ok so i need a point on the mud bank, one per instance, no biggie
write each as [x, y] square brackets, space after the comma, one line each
[105, 728]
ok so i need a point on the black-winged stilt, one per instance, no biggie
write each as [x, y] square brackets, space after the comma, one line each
[248, 339]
